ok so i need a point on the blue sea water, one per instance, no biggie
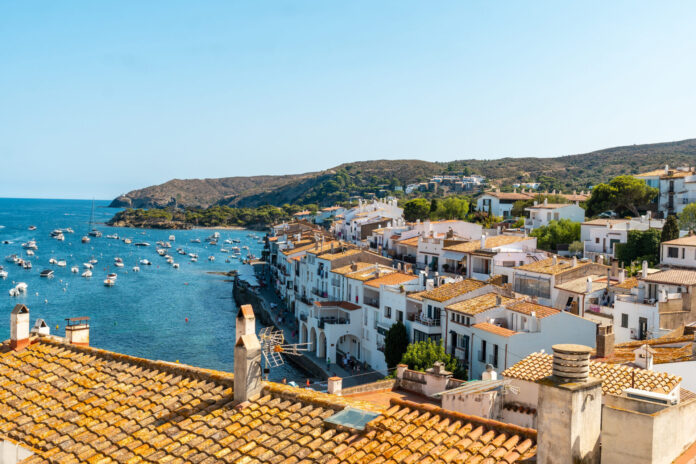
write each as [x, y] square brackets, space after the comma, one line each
[145, 314]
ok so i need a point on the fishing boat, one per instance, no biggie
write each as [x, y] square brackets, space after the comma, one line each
[47, 273]
[109, 283]
[87, 273]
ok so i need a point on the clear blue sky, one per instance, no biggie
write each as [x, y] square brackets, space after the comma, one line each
[98, 98]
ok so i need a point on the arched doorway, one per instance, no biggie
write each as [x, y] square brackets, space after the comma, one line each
[313, 340]
[321, 349]
[303, 333]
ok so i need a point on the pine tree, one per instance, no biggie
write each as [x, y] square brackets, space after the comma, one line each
[670, 230]
[395, 344]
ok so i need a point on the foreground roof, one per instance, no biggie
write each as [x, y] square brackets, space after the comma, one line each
[672, 277]
[479, 304]
[528, 308]
[80, 404]
[448, 291]
[688, 240]
[547, 266]
[491, 242]
[615, 378]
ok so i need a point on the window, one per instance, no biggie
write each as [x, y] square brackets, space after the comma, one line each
[387, 312]
[596, 240]
[533, 286]
[482, 351]
[672, 252]
[495, 356]
[624, 320]
[399, 316]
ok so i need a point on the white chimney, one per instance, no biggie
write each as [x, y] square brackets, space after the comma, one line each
[546, 200]
[400, 370]
[40, 328]
[644, 270]
[483, 241]
[575, 261]
[555, 260]
[643, 357]
[77, 331]
[334, 385]
[570, 409]
[19, 327]
[247, 357]
[589, 284]
[666, 168]
[622, 276]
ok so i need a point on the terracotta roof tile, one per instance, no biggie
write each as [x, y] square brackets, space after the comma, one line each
[478, 304]
[627, 284]
[688, 240]
[527, 307]
[491, 242]
[672, 277]
[616, 378]
[448, 291]
[494, 329]
[510, 195]
[395, 278]
[79, 404]
[347, 269]
[546, 266]
[412, 241]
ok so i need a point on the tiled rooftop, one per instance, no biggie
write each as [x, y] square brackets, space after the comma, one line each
[549, 206]
[395, 278]
[547, 266]
[347, 269]
[673, 277]
[627, 284]
[448, 291]
[494, 329]
[615, 378]
[332, 256]
[510, 195]
[478, 304]
[412, 241]
[299, 247]
[76, 404]
[688, 240]
[527, 307]
[491, 242]
[369, 273]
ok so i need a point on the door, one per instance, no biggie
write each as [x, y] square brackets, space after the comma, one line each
[642, 328]
[453, 341]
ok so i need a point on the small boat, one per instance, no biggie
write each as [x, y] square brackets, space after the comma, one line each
[195, 240]
[62, 263]
[161, 251]
[14, 292]
[194, 260]
[112, 236]
[193, 255]
[85, 239]
[118, 260]
[224, 250]
[228, 241]
[87, 273]
[109, 283]
[112, 276]
[215, 236]
[142, 244]
[127, 241]
[172, 238]
[52, 261]
[26, 265]
[22, 287]
[32, 227]
[56, 232]
[93, 261]
[30, 245]
[166, 245]
[136, 269]
[6, 242]
[19, 262]
[211, 258]
[30, 253]
[235, 240]
[118, 264]
[74, 269]
[3, 274]
[175, 265]
[170, 260]
[181, 251]
[69, 230]
[88, 265]
[213, 242]
[48, 273]
[145, 262]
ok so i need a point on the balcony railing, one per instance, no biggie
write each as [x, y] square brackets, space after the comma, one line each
[374, 302]
[323, 321]
[428, 321]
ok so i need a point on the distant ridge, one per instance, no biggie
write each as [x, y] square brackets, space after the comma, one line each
[570, 172]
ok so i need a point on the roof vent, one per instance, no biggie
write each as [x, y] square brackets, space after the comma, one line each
[571, 362]
[352, 418]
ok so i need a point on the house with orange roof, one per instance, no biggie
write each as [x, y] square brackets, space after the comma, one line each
[541, 214]
[493, 331]
[328, 213]
[499, 203]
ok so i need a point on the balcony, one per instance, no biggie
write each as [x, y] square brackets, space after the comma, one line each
[323, 321]
[374, 302]
[303, 317]
[425, 321]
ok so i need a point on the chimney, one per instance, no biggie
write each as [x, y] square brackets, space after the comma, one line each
[247, 357]
[334, 385]
[644, 357]
[605, 341]
[77, 331]
[483, 241]
[555, 260]
[400, 370]
[498, 300]
[570, 409]
[644, 270]
[589, 284]
[622, 276]
[575, 261]
[546, 200]
[19, 327]
[353, 266]
[666, 169]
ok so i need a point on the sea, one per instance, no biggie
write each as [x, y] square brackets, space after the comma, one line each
[185, 315]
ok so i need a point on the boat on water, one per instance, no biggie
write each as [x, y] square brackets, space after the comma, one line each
[60, 237]
[175, 265]
[30, 252]
[127, 241]
[109, 283]
[27, 265]
[142, 244]
[195, 240]
[136, 269]
[87, 273]
[211, 258]
[62, 263]
[56, 232]
[85, 239]
[3, 274]
[93, 261]
[32, 227]
[74, 269]
[69, 230]
[93, 231]
[30, 245]
[194, 260]
[172, 238]
[118, 264]
[161, 251]
[19, 262]
[6, 242]
[215, 237]
[47, 273]
[228, 241]
[112, 236]
[224, 250]
[235, 240]
[181, 251]
[145, 262]
[88, 265]
[112, 276]
[193, 255]
[52, 261]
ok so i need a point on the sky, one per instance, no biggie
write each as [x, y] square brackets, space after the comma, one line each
[99, 98]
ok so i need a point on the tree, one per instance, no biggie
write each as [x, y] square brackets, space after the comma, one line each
[395, 344]
[670, 230]
[687, 219]
[576, 248]
[641, 245]
[453, 208]
[557, 232]
[422, 355]
[418, 208]
[434, 205]
[623, 193]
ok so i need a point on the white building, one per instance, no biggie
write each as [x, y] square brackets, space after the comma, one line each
[677, 188]
[541, 215]
[357, 224]
[500, 203]
[599, 236]
[680, 252]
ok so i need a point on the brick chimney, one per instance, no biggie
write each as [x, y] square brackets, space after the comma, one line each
[77, 331]
[570, 409]
[247, 357]
[605, 341]
[19, 327]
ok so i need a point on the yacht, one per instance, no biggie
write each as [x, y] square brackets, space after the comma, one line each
[52, 261]
[19, 262]
[32, 227]
[166, 245]
[6, 242]
[87, 273]
[93, 261]
[30, 252]
[30, 245]
[22, 287]
[195, 240]
[224, 250]
[181, 251]
[109, 283]
[88, 265]
[118, 264]
[118, 260]
[142, 244]
[60, 237]
[228, 241]
[194, 260]
[48, 273]
[56, 232]
[69, 230]
[193, 255]
[113, 237]
[3, 274]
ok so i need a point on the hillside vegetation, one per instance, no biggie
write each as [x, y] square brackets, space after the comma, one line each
[573, 172]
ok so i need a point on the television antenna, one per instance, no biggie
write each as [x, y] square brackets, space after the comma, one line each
[273, 347]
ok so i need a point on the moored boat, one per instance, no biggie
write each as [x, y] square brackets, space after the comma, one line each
[47, 273]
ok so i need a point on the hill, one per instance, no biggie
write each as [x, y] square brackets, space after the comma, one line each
[571, 172]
